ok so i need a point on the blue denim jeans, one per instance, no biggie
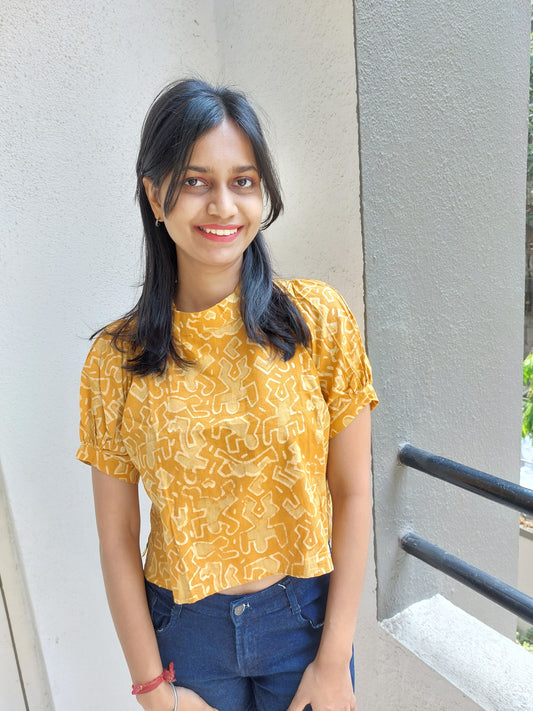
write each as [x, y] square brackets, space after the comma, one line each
[242, 652]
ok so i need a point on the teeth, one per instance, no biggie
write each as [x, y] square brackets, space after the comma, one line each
[219, 233]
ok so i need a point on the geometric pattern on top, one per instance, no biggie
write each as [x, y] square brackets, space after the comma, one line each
[232, 451]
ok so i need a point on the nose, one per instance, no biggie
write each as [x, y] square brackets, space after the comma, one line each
[222, 203]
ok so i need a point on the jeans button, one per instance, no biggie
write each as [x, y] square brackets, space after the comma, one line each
[239, 610]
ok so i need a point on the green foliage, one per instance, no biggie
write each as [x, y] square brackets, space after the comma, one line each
[527, 402]
[525, 639]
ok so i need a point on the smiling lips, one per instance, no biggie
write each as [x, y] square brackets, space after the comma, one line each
[219, 233]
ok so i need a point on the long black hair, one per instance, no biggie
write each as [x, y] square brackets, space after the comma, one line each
[180, 114]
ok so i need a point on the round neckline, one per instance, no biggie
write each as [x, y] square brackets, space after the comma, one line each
[225, 310]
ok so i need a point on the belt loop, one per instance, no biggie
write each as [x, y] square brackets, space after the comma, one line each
[291, 597]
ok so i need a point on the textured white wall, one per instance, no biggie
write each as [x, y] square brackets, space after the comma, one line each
[77, 80]
[296, 59]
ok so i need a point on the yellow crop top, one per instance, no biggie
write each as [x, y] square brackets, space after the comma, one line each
[231, 451]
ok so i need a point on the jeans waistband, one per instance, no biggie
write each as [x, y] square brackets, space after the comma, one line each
[269, 599]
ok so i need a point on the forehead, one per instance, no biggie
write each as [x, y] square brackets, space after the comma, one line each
[224, 146]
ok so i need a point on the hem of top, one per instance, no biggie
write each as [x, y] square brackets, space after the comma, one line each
[323, 570]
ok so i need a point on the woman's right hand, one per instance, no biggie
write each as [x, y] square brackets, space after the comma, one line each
[162, 699]
[189, 700]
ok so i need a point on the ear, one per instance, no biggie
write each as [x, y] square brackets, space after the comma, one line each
[152, 193]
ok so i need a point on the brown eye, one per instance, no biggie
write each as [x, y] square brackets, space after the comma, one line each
[244, 182]
[193, 182]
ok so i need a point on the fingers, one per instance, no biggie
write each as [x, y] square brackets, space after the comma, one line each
[298, 703]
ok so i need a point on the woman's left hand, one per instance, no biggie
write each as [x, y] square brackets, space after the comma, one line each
[325, 687]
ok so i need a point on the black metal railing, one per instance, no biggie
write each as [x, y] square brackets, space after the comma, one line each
[490, 487]
[482, 484]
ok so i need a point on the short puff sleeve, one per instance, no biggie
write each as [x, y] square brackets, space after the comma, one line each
[103, 392]
[338, 352]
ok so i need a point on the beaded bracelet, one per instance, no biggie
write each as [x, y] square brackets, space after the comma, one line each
[166, 675]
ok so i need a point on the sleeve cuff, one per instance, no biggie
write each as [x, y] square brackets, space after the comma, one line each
[366, 396]
[112, 463]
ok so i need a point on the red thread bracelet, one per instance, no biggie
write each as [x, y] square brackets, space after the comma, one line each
[166, 675]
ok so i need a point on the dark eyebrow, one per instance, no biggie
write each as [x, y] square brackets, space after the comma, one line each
[245, 168]
[236, 169]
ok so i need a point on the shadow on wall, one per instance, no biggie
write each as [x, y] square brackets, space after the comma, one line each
[24, 680]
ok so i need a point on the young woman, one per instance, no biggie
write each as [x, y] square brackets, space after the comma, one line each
[243, 404]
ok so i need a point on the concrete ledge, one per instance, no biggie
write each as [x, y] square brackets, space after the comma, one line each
[492, 670]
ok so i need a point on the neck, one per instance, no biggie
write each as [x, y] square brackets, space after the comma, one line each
[200, 291]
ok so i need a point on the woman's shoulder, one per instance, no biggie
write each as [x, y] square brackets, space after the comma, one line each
[325, 311]
[112, 344]
[313, 295]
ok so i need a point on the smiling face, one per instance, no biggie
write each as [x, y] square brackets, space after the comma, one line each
[219, 209]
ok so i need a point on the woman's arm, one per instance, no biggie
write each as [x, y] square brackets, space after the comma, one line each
[326, 683]
[118, 522]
